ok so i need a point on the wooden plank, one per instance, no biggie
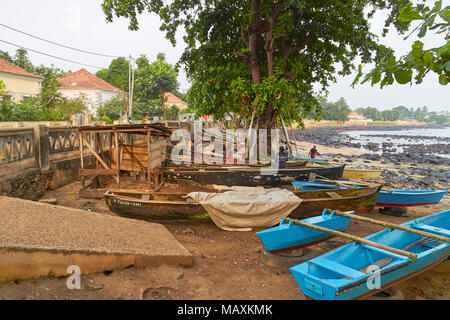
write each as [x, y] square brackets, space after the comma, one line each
[80, 135]
[334, 195]
[410, 255]
[98, 172]
[95, 154]
[131, 155]
[149, 150]
[393, 226]
[337, 267]
[426, 227]
[116, 143]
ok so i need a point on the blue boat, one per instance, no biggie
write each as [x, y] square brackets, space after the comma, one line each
[314, 160]
[287, 235]
[386, 198]
[312, 186]
[352, 271]
[409, 198]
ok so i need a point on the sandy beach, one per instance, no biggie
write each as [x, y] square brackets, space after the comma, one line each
[229, 265]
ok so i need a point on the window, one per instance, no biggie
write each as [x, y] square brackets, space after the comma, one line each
[25, 97]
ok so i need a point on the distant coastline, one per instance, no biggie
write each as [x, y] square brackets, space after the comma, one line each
[370, 125]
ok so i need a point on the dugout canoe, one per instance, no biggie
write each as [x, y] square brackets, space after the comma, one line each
[288, 236]
[358, 270]
[360, 199]
[251, 176]
[386, 198]
[153, 206]
[361, 174]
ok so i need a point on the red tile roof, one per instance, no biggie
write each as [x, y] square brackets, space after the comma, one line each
[171, 98]
[9, 67]
[83, 79]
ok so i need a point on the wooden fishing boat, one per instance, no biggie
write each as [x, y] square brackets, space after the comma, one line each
[288, 236]
[250, 176]
[373, 264]
[359, 199]
[361, 174]
[386, 198]
[153, 206]
[174, 206]
[409, 198]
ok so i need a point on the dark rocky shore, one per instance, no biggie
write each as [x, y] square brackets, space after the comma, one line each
[416, 152]
[416, 167]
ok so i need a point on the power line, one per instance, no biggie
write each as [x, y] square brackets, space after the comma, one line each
[58, 44]
[49, 55]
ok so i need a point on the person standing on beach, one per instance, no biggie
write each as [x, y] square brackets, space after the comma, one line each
[282, 158]
[313, 152]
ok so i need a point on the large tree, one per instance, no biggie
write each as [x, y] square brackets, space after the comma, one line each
[262, 57]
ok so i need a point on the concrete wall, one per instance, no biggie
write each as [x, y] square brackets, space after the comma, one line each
[35, 159]
[20, 85]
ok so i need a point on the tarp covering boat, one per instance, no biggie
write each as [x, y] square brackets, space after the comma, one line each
[244, 208]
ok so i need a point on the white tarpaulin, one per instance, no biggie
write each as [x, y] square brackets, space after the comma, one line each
[244, 208]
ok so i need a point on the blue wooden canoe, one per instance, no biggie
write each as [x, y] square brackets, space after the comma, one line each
[340, 274]
[312, 186]
[287, 236]
[409, 198]
[392, 198]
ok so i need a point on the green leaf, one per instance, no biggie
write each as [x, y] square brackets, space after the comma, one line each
[376, 77]
[443, 79]
[428, 57]
[445, 13]
[418, 45]
[403, 76]
[447, 66]
[409, 15]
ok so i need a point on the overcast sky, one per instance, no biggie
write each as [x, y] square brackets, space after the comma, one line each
[81, 24]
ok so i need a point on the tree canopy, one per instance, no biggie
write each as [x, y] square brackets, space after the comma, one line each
[262, 57]
[151, 79]
[420, 60]
[337, 111]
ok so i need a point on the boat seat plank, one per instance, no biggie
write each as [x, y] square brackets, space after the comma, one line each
[334, 195]
[425, 227]
[337, 267]
[388, 253]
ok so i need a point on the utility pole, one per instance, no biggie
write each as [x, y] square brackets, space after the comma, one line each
[129, 87]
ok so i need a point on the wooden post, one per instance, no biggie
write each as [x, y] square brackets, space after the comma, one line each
[410, 255]
[287, 137]
[149, 154]
[116, 142]
[83, 184]
[393, 226]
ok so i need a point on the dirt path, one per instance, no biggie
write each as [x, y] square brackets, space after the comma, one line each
[228, 265]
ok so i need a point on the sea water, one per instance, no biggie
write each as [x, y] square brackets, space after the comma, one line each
[401, 137]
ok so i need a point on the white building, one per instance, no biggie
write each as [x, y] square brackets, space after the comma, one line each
[93, 90]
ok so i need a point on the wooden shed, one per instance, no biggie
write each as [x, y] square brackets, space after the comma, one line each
[124, 148]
